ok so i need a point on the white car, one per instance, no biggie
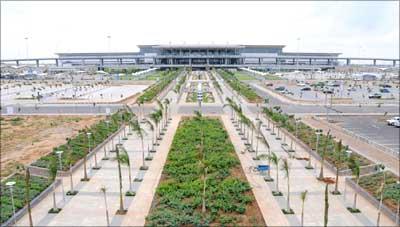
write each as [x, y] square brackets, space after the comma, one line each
[397, 124]
[393, 120]
[301, 84]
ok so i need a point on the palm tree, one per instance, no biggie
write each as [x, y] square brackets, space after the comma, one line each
[381, 191]
[124, 159]
[52, 177]
[323, 153]
[355, 167]
[286, 169]
[121, 209]
[85, 177]
[21, 168]
[167, 102]
[103, 190]
[152, 129]
[160, 105]
[303, 197]
[326, 207]
[275, 160]
[140, 133]
[338, 152]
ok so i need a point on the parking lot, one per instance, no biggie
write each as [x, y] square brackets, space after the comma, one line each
[372, 128]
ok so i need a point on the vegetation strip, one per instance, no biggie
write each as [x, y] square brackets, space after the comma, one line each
[202, 182]
[308, 136]
[240, 87]
[78, 147]
[151, 93]
[37, 185]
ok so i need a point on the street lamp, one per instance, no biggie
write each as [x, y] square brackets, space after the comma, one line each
[381, 167]
[59, 154]
[10, 185]
[26, 47]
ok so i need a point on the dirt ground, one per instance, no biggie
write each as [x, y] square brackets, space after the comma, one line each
[24, 139]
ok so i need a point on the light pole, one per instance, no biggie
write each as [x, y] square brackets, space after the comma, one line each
[95, 167]
[109, 42]
[296, 120]
[103, 189]
[59, 154]
[348, 153]
[26, 47]
[398, 208]
[298, 53]
[10, 185]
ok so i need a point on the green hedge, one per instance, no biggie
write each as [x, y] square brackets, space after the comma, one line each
[179, 194]
[150, 93]
[76, 148]
[38, 184]
[308, 136]
[243, 89]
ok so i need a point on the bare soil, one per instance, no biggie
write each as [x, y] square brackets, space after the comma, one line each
[25, 139]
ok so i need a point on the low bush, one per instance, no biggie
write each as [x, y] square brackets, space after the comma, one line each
[150, 93]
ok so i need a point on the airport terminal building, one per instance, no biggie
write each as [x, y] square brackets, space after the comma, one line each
[161, 56]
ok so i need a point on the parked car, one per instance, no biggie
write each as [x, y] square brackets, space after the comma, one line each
[269, 84]
[301, 84]
[280, 88]
[384, 90]
[375, 96]
[305, 89]
[327, 91]
[393, 120]
[397, 124]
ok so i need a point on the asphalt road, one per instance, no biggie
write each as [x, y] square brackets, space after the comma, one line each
[372, 128]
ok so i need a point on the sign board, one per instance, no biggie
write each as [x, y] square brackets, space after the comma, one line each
[262, 168]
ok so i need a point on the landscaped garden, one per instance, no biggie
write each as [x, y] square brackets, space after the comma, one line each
[243, 89]
[203, 182]
[166, 78]
[76, 148]
[37, 185]
[308, 136]
[207, 97]
[391, 192]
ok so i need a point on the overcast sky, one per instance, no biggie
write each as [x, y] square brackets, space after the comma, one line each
[367, 29]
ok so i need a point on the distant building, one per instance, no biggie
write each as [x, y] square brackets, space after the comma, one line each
[203, 56]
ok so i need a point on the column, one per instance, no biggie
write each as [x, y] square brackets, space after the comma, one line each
[374, 61]
[17, 62]
[348, 61]
[101, 62]
[57, 62]
[394, 63]
[37, 63]
[310, 60]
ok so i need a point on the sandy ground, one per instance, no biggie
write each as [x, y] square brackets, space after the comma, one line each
[25, 139]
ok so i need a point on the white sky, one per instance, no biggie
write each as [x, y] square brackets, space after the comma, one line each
[366, 29]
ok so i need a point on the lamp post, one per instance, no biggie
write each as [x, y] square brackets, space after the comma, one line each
[297, 120]
[319, 133]
[26, 47]
[398, 208]
[95, 167]
[10, 185]
[59, 154]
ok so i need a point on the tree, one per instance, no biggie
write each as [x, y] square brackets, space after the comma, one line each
[162, 109]
[156, 118]
[275, 160]
[52, 177]
[104, 190]
[286, 169]
[121, 209]
[124, 159]
[338, 162]
[152, 129]
[323, 153]
[167, 102]
[303, 197]
[355, 167]
[140, 133]
[21, 168]
[326, 207]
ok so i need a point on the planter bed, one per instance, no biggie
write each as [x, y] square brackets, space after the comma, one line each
[243, 89]
[37, 186]
[76, 148]
[307, 136]
[152, 92]
[371, 183]
[178, 200]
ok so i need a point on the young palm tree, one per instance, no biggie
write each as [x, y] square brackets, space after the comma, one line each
[326, 207]
[162, 109]
[321, 173]
[52, 177]
[167, 103]
[85, 177]
[286, 169]
[356, 173]
[303, 197]
[275, 160]
[124, 159]
[140, 133]
[104, 190]
[338, 152]
[152, 129]
[20, 169]
[121, 209]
